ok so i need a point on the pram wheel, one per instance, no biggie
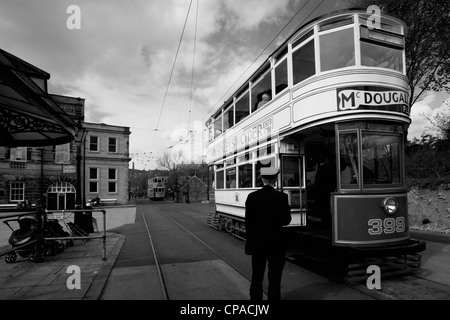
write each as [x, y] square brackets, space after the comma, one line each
[11, 257]
[69, 243]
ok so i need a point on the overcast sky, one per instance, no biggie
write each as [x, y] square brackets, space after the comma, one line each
[121, 59]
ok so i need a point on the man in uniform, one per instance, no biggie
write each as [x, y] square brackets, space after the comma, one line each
[266, 212]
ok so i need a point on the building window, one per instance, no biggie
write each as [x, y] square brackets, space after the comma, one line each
[3, 152]
[93, 143]
[17, 191]
[93, 187]
[61, 187]
[93, 180]
[62, 154]
[112, 145]
[93, 173]
[112, 180]
[19, 154]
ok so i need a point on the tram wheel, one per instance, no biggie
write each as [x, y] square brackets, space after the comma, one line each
[229, 226]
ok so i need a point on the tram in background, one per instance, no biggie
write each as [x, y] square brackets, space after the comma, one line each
[156, 188]
[334, 119]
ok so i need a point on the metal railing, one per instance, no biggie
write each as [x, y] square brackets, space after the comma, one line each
[42, 216]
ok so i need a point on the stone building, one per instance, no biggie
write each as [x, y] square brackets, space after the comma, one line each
[106, 161]
[193, 190]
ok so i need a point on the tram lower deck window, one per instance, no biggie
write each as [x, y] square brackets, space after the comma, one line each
[245, 176]
[381, 159]
[220, 180]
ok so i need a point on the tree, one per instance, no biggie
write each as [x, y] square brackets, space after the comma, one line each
[427, 41]
[174, 163]
[441, 124]
[171, 161]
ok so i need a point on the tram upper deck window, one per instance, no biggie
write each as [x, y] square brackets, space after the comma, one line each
[228, 118]
[304, 62]
[218, 127]
[381, 159]
[281, 77]
[242, 109]
[382, 50]
[337, 49]
[210, 132]
[262, 92]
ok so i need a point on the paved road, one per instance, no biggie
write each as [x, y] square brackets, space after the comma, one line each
[197, 262]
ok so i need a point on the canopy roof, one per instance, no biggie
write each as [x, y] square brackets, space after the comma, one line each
[28, 114]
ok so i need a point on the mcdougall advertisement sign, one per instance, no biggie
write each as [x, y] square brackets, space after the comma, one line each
[373, 98]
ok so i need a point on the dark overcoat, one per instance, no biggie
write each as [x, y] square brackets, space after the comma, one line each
[266, 212]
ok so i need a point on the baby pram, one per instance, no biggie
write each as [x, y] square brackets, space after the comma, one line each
[24, 240]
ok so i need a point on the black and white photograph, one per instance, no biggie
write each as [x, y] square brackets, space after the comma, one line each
[230, 158]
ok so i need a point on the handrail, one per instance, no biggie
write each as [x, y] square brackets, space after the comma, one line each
[40, 238]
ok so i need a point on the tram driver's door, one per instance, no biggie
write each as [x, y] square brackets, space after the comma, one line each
[293, 183]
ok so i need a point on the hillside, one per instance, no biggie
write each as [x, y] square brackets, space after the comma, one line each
[429, 210]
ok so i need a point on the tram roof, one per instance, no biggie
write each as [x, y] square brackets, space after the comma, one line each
[315, 20]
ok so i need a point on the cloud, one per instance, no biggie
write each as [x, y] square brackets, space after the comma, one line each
[249, 14]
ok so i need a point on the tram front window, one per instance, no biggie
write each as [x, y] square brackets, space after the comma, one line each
[381, 159]
[337, 50]
[373, 55]
[348, 145]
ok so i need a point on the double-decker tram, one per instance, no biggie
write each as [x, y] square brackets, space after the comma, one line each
[330, 108]
[156, 188]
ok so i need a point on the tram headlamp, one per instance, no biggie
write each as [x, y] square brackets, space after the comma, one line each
[390, 206]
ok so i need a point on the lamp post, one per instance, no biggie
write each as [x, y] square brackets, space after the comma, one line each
[82, 219]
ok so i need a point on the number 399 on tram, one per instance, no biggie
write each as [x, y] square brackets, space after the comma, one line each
[330, 108]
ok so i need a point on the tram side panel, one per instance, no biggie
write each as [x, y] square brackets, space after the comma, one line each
[229, 212]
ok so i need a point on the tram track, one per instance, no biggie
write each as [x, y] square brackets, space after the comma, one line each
[162, 277]
[156, 257]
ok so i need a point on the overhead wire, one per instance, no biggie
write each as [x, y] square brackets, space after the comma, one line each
[193, 67]
[171, 74]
